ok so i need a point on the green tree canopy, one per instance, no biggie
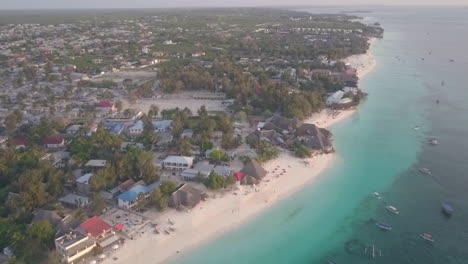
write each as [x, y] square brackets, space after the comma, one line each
[167, 188]
[302, 151]
[185, 146]
[266, 151]
[215, 181]
[217, 155]
[42, 231]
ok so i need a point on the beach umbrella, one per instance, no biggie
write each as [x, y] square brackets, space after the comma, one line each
[93, 262]
[115, 246]
[102, 256]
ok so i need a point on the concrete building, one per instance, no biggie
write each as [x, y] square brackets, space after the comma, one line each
[177, 163]
[56, 141]
[74, 201]
[82, 183]
[73, 246]
[162, 125]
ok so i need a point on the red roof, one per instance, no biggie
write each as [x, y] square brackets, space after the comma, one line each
[119, 226]
[95, 226]
[52, 140]
[104, 104]
[239, 175]
[20, 141]
[126, 185]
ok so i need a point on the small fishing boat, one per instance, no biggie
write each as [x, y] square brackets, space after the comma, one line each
[383, 226]
[372, 252]
[447, 209]
[452, 60]
[331, 262]
[416, 128]
[433, 141]
[427, 237]
[392, 209]
[425, 171]
[377, 195]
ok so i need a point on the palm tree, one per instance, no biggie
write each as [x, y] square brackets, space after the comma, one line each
[153, 111]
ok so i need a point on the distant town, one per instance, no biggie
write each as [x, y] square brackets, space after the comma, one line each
[109, 119]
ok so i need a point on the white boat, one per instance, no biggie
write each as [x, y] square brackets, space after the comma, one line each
[392, 209]
[377, 195]
[433, 141]
[425, 171]
[416, 128]
[427, 237]
[383, 226]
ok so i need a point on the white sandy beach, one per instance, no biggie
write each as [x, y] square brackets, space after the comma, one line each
[364, 63]
[216, 216]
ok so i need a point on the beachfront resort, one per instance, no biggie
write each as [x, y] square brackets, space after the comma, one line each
[119, 137]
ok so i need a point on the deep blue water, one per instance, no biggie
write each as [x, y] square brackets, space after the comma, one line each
[379, 151]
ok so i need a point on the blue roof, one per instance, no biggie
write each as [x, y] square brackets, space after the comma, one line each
[162, 123]
[133, 193]
[137, 125]
[115, 128]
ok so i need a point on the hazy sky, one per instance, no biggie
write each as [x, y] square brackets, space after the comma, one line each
[46, 4]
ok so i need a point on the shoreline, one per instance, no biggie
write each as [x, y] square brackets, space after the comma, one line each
[229, 210]
[364, 63]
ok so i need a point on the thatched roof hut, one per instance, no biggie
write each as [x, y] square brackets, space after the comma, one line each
[186, 196]
[254, 169]
[249, 180]
[315, 137]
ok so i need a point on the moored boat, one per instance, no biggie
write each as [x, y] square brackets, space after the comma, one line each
[331, 262]
[383, 226]
[433, 141]
[427, 237]
[377, 195]
[447, 209]
[425, 171]
[392, 209]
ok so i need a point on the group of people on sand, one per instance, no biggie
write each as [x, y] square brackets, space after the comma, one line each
[333, 113]
[278, 168]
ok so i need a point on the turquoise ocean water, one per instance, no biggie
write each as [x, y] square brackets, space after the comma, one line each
[378, 150]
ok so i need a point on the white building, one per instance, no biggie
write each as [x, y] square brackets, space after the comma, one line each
[82, 183]
[178, 163]
[96, 163]
[202, 169]
[335, 98]
[73, 246]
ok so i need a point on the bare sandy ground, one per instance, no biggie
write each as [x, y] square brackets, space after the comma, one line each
[227, 211]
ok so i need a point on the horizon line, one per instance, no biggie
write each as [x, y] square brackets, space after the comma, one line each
[224, 7]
